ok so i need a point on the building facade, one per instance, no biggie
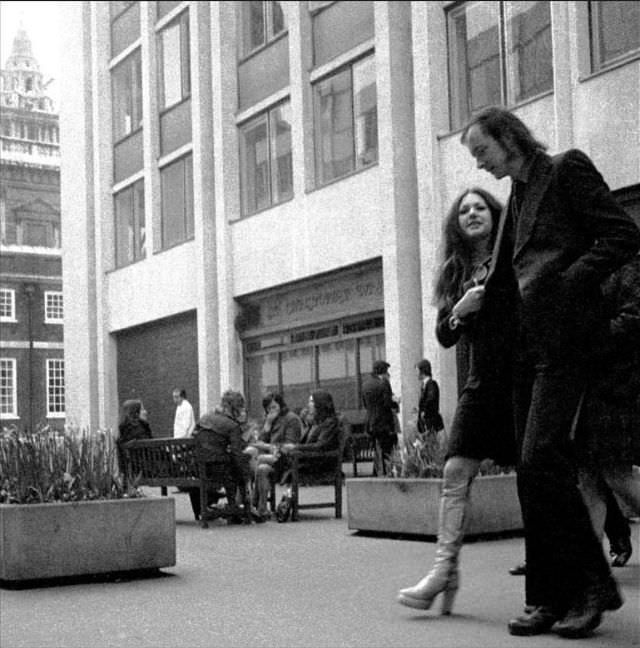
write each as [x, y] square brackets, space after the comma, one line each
[31, 299]
[253, 192]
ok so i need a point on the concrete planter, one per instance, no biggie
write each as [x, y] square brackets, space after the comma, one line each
[79, 538]
[411, 505]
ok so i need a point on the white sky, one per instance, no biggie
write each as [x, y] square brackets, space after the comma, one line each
[42, 23]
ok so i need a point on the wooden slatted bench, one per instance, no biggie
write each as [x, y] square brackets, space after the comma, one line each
[362, 449]
[163, 463]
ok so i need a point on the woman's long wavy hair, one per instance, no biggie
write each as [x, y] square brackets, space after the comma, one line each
[130, 412]
[323, 404]
[456, 251]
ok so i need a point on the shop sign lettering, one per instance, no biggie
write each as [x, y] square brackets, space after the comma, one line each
[364, 294]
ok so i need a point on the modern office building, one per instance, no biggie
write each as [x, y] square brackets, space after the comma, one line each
[31, 300]
[253, 192]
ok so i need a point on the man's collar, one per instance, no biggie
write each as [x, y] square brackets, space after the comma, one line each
[525, 170]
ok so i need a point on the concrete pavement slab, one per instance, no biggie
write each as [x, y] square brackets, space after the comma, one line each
[309, 583]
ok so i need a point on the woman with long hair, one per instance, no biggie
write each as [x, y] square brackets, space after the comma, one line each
[479, 321]
[322, 435]
[133, 424]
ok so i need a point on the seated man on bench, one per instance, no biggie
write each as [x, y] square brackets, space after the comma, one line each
[220, 448]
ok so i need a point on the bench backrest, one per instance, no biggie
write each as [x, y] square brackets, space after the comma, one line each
[159, 462]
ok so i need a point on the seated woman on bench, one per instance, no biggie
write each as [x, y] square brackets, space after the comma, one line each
[280, 426]
[220, 446]
[132, 426]
[322, 435]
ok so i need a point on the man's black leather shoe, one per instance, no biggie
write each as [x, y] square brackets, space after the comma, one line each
[586, 615]
[519, 570]
[538, 622]
[621, 551]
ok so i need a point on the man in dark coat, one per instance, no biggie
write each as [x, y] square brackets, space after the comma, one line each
[378, 400]
[561, 234]
[429, 418]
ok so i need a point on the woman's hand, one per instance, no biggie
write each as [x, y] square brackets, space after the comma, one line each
[470, 302]
[287, 447]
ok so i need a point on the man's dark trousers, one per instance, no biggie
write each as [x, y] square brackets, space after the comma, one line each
[563, 555]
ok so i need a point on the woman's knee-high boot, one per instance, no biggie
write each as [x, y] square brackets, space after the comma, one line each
[444, 575]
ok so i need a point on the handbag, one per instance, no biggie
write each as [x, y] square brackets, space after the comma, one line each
[283, 510]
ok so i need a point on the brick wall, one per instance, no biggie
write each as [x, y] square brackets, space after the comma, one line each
[155, 358]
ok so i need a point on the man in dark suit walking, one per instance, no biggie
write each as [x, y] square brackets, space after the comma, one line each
[378, 400]
[429, 418]
[561, 234]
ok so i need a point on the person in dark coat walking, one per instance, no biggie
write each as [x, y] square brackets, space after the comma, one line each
[562, 235]
[381, 421]
[608, 430]
[429, 417]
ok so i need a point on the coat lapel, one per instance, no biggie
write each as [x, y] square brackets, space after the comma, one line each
[498, 242]
[540, 175]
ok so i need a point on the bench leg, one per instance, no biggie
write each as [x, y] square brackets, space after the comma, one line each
[338, 495]
[163, 491]
[294, 496]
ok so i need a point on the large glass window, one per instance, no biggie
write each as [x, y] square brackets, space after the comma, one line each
[335, 357]
[126, 85]
[177, 201]
[615, 32]
[265, 159]
[129, 224]
[173, 54]
[337, 372]
[262, 21]
[261, 377]
[500, 54]
[8, 388]
[55, 387]
[7, 305]
[346, 121]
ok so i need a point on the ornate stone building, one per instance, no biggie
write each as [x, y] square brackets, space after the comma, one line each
[31, 303]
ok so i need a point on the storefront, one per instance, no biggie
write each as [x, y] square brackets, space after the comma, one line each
[323, 333]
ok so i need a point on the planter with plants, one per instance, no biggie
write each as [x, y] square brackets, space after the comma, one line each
[65, 511]
[407, 501]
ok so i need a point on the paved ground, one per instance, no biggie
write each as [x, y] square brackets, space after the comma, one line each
[310, 583]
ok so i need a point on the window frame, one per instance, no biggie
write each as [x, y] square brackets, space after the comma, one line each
[137, 52]
[135, 215]
[189, 236]
[594, 43]
[185, 65]
[267, 116]
[51, 295]
[12, 364]
[356, 168]
[52, 366]
[456, 117]
[267, 31]
[11, 318]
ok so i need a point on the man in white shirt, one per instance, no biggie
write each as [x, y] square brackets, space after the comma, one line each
[184, 422]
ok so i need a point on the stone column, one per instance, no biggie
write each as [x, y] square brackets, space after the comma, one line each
[401, 250]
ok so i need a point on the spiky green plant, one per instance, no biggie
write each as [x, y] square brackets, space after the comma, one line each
[49, 466]
[423, 455]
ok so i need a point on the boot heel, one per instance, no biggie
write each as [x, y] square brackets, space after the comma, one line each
[448, 596]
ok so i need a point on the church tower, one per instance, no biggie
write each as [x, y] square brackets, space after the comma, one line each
[31, 307]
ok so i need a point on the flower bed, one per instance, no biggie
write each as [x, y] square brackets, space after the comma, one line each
[65, 512]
